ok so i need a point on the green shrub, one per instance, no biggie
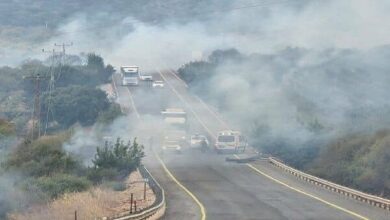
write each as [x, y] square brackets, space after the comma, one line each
[6, 128]
[43, 157]
[121, 157]
[99, 175]
[56, 185]
[108, 116]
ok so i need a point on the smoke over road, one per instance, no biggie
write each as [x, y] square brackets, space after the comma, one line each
[312, 69]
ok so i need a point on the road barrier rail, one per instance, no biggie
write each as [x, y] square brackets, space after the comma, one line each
[355, 194]
[158, 206]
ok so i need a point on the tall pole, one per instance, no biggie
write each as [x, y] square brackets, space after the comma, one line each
[63, 46]
[51, 87]
[37, 104]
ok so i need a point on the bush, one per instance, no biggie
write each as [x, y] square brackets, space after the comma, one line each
[41, 157]
[120, 157]
[56, 185]
[113, 112]
[6, 128]
[360, 160]
[99, 175]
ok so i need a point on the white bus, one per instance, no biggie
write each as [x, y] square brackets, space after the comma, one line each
[230, 141]
[130, 75]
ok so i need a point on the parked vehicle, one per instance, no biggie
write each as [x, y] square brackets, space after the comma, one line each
[230, 142]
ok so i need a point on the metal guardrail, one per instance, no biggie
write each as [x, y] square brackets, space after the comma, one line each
[370, 199]
[158, 205]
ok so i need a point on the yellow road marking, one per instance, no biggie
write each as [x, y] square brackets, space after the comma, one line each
[202, 209]
[264, 174]
[304, 193]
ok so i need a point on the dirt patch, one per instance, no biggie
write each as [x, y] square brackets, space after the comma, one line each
[93, 204]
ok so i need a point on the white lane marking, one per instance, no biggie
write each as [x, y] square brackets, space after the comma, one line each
[187, 104]
[216, 115]
[177, 77]
[270, 177]
[132, 103]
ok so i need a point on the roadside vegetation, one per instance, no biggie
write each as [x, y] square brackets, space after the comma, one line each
[357, 160]
[74, 99]
[40, 170]
[50, 172]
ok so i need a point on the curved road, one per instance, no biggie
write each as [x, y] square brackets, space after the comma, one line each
[231, 190]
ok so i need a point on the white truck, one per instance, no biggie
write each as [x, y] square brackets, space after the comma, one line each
[175, 129]
[129, 75]
[230, 141]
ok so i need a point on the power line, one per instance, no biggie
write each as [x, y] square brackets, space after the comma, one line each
[36, 117]
[64, 45]
[51, 86]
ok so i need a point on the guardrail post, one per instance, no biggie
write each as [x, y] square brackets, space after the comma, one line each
[75, 215]
[131, 203]
[135, 206]
[145, 190]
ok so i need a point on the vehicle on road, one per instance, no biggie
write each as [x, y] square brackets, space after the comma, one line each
[230, 142]
[175, 129]
[146, 77]
[197, 140]
[174, 140]
[129, 75]
[158, 84]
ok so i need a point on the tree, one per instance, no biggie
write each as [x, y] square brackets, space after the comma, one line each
[116, 160]
[220, 56]
[77, 104]
[196, 72]
[95, 66]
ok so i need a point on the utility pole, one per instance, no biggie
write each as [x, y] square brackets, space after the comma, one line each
[63, 46]
[51, 86]
[37, 103]
[53, 54]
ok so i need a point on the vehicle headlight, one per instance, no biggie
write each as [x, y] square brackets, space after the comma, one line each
[178, 148]
[164, 147]
[184, 137]
[166, 137]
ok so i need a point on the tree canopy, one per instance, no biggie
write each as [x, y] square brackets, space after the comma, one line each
[76, 104]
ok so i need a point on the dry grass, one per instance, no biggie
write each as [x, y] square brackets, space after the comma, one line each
[93, 204]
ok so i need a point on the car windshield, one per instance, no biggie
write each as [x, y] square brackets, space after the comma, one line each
[128, 74]
[198, 138]
[226, 138]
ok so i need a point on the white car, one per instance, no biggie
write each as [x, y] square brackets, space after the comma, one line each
[146, 77]
[158, 84]
[197, 139]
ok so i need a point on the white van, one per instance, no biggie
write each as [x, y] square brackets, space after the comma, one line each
[231, 142]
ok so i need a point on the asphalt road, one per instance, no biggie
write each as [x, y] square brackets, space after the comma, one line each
[230, 190]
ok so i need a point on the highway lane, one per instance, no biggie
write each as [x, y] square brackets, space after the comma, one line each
[210, 120]
[233, 191]
[178, 204]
